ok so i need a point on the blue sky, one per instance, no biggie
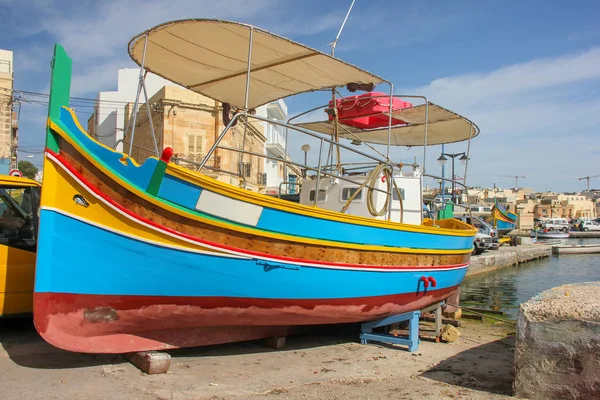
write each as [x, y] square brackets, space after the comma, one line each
[526, 72]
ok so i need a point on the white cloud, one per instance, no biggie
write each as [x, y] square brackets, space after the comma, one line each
[537, 119]
[469, 90]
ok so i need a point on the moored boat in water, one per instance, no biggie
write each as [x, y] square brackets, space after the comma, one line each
[503, 220]
[576, 249]
[150, 256]
[547, 234]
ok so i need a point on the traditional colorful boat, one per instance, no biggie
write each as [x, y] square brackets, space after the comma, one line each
[503, 220]
[150, 256]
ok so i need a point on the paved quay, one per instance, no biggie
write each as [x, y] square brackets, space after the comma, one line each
[507, 256]
[328, 363]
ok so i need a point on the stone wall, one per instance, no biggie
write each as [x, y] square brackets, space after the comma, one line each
[506, 257]
[557, 355]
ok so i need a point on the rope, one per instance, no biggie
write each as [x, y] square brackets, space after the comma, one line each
[483, 315]
[372, 181]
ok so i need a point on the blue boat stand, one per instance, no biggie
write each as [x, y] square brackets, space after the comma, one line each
[366, 329]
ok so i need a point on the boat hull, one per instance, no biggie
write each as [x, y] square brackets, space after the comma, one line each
[576, 249]
[504, 220]
[549, 235]
[122, 324]
[132, 294]
[145, 257]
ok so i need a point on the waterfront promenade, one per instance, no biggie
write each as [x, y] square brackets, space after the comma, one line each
[507, 256]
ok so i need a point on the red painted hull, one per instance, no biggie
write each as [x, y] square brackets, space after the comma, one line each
[122, 324]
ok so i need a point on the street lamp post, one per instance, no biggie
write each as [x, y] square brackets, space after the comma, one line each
[305, 149]
[442, 160]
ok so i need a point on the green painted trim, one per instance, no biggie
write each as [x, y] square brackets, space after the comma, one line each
[157, 178]
[60, 90]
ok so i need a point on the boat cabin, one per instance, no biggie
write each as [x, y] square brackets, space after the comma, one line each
[335, 194]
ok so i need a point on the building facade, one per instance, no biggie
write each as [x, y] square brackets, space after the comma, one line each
[107, 121]
[8, 121]
[189, 123]
[565, 205]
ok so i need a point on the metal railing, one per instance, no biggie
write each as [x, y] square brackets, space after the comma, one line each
[322, 170]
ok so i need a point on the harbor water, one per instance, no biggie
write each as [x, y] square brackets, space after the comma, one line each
[505, 289]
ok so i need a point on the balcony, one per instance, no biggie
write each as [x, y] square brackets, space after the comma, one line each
[277, 110]
[275, 140]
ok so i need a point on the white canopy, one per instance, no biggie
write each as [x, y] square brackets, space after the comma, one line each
[211, 57]
[444, 127]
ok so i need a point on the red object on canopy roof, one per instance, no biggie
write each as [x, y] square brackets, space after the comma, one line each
[368, 111]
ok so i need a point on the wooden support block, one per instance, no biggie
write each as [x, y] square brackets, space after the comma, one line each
[276, 342]
[450, 333]
[445, 321]
[473, 316]
[457, 314]
[150, 362]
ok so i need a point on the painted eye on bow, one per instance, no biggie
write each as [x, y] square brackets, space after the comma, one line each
[80, 201]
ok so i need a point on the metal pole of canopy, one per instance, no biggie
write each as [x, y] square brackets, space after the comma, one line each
[150, 118]
[425, 144]
[466, 165]
[318, 183]
[249, 68]
[338, 165]
[246, 103]
[137, 99]
[389, 144]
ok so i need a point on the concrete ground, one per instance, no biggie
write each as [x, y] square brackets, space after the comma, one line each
[328, 363]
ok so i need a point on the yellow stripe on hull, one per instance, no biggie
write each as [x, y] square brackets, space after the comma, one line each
[255, 198]
[59, 190]
[60, 187]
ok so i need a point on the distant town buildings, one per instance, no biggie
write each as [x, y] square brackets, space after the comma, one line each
[529, 205]
[8, 120]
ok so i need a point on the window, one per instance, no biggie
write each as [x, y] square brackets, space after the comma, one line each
[18, 216]
[395, 194]
[347, 192]
[244, 169]
[195, 143]
[322, 195]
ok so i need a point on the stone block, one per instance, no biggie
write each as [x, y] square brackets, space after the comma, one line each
[524, 240]
[557, 354]
[150, 362]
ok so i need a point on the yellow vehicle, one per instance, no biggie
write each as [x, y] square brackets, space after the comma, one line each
[19, 203]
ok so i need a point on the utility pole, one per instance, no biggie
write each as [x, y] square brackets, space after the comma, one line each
[587, 178]
[516, 179]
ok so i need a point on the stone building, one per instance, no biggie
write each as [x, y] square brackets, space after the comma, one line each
[189, 123]
[8, 121]
[565, 205]
[107, 121]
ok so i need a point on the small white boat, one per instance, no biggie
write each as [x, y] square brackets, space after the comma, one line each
[576, 249]
[549, 234]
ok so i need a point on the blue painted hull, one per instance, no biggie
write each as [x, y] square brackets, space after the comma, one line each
[143, 269]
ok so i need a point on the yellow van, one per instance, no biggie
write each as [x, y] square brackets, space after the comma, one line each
[19, 203]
